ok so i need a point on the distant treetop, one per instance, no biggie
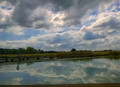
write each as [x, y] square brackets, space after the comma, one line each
[73, 49]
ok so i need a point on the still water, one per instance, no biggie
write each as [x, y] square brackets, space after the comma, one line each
[61, 71]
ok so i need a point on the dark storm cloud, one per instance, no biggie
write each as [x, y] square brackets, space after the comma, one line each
[22, 11]
[73, 9]
[80, 8]
[32, 4]
[62, 4]
[24, 8]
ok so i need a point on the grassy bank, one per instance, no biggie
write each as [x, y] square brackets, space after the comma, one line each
[28, 55]
[69, 54]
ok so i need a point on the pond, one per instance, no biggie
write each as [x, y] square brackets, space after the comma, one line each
[61, 71]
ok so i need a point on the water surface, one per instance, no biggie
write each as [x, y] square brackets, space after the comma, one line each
[61, 71]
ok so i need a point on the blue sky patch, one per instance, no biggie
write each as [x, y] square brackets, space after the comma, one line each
[95, 12]
[6, 8]
[27, 34]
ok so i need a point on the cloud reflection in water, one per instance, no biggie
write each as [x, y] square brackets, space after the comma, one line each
[61, 72]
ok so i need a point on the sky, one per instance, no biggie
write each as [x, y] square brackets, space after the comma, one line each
[60, 24]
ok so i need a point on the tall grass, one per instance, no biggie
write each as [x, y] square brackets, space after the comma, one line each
[66, 54]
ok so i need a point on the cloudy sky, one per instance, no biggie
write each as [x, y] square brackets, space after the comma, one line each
[60, 24]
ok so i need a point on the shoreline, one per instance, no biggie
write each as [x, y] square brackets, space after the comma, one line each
[41, 59]
[68, 85]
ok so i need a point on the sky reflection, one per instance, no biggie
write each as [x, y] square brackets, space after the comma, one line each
[61, 72]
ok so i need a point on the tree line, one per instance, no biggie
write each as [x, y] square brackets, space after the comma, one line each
[62, 54]
[28, 50]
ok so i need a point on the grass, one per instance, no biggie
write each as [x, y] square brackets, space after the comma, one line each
[75, 54]
[28, 55]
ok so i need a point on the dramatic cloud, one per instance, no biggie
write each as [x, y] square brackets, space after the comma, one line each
[60, 24]
[39, 13]
[109, 20]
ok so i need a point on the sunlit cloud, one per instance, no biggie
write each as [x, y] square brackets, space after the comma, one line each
[77, 24]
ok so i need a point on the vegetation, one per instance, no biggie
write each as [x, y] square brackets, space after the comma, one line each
[73, 49]
[31, 52]
[28, 50]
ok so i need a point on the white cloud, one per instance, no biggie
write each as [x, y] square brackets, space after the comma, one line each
[109, 20]
[5, 13]
[16, 30]
[101, 32]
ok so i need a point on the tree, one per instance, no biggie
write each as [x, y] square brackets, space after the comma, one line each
[31, 50]
[41, 51]
[21, 50]
[73, 49]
